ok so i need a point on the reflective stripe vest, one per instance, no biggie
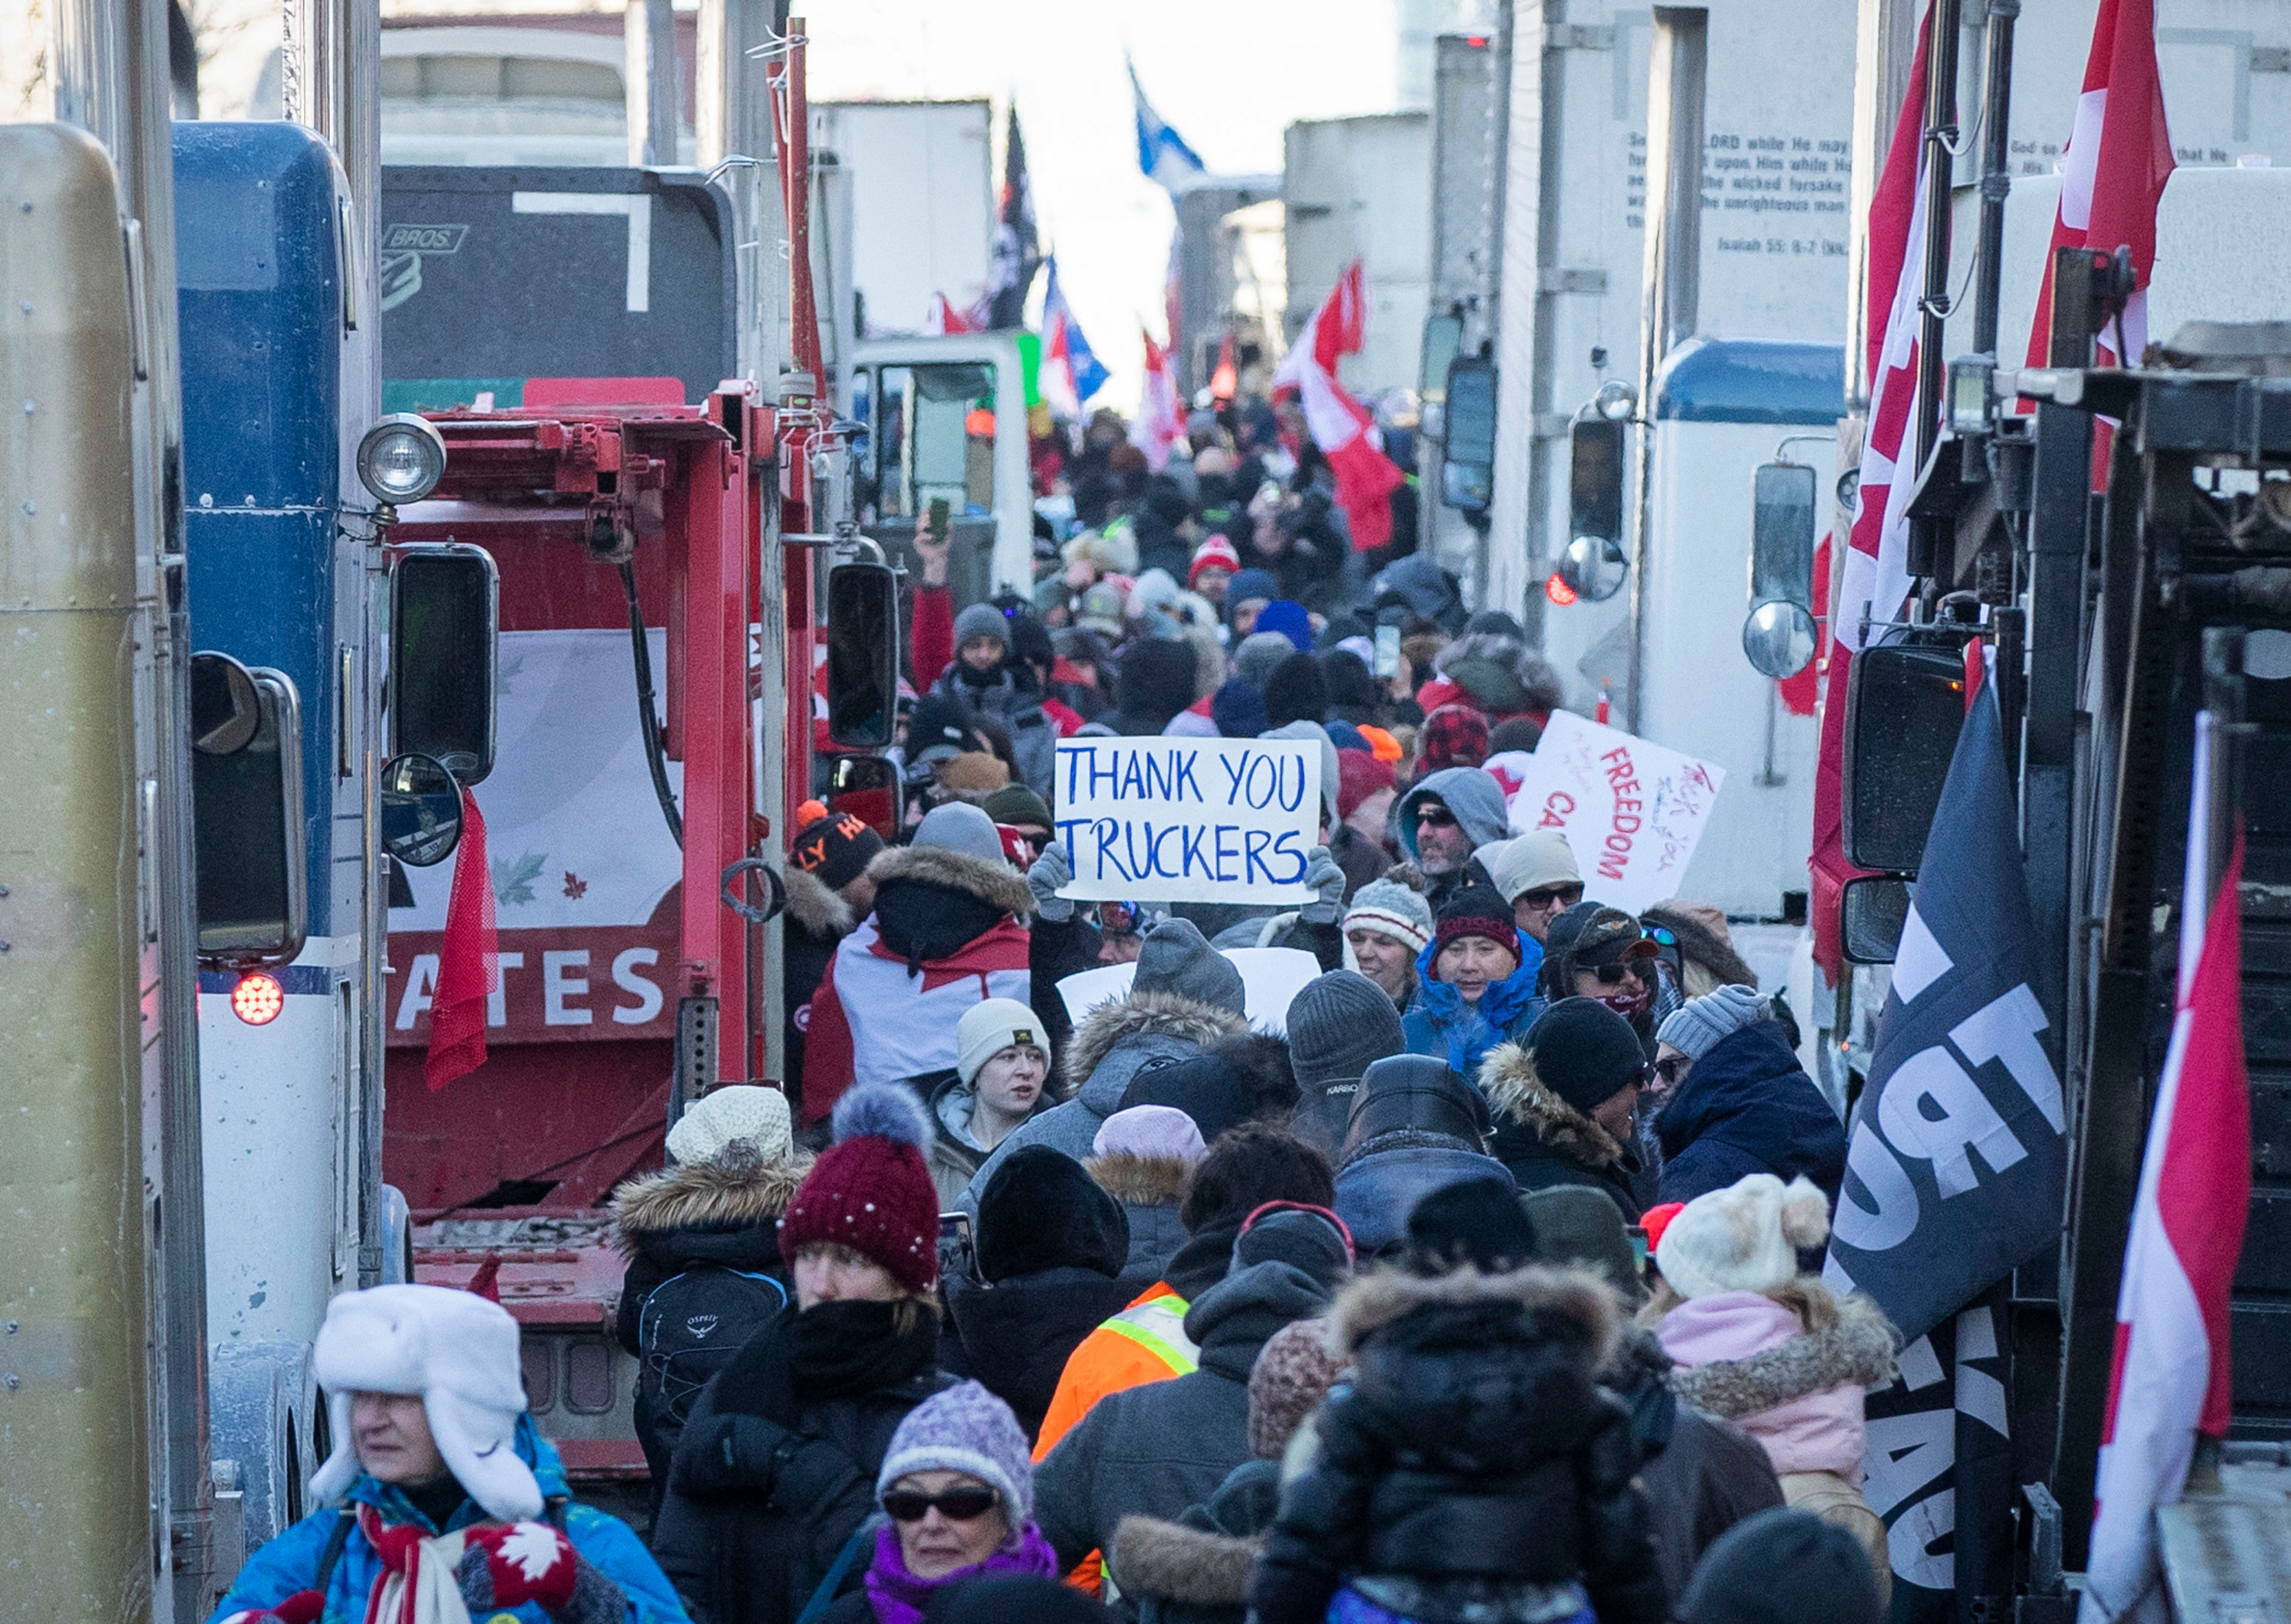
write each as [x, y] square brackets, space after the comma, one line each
[1145, 1343]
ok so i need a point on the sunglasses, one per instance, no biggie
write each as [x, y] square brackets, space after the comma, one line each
[956, 1504]
[1548, 896]
[1610, 975]
[1435, 817]
[1670, 1066]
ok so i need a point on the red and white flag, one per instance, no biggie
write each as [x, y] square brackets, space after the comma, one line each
[2120, 155]
[469, 959]
[943, 317]
[2170, 1378]
[1343, 429]
[1159, 426]
[1876, 573]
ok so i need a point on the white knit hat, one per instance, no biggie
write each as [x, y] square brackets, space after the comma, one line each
[1536, 859]
[740, 1112]
[458, 1352]
[990, 1026]
[1390, 908]
[1743, 1239]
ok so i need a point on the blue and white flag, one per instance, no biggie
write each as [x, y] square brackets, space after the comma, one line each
[1161, 153]
[1072, 371]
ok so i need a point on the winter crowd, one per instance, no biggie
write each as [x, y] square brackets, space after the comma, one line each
[1474, 1289]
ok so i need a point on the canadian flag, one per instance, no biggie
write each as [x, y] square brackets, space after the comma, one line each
[1876, 557]
[1159, 426]
[1343, 429]
[2120, 155]
[2170, 1378]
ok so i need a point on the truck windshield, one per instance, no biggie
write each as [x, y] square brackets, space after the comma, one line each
[935, 437]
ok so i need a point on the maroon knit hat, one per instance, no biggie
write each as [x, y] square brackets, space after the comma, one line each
[870, 1190]
[1478, 910]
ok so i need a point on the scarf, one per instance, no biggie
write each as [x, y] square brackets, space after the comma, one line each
[899, 1598]
[843, 1350]
[418, 1583]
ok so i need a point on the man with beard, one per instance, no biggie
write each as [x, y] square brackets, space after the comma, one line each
[1443, 820]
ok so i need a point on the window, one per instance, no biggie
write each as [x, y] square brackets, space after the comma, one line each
[933, 436]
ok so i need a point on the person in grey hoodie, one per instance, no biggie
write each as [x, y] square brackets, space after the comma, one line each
[1466, 809]
[1185, 997]
[1339, 1025]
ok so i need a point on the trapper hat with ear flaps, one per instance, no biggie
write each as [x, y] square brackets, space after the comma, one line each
[1745, 1237]
[456, 1352]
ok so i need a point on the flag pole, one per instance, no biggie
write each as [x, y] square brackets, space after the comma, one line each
[1941, 133]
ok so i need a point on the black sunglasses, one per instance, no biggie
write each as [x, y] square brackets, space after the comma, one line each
[1610, 975]
[1435, 817]
[957, 1505]
[1670, 1065]
[1544, 896]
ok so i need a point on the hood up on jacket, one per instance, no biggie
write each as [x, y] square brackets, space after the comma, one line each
[719, 1195]
[822, 913]
[1748, 1107]
[1475, 798]
[1116, 1040]
[1500, 673]
[1574, 1302]
[930, 900]
[1849, 1342]
[1520, 1099]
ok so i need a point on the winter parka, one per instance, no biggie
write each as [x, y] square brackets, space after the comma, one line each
[1440, 1022]
[1472, 1457]
[1747, 1107]
[289, 1563]
[1150, 1188]
[1545, 1141]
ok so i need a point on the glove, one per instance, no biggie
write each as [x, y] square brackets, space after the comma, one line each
[1050, 872]
[727, 1454]
[1322, 874]
[504, 1567]
[302, 1608]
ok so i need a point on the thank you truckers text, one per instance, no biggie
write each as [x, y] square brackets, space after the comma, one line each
[1168, 820]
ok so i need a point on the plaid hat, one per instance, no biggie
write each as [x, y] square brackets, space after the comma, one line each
[965, 1429]
[1293, 1373]
[1215, 553]
[870, 1190]
[1478, 910]
[1358, 776]
[1454, 736]
[835, 850]
[1392, 909]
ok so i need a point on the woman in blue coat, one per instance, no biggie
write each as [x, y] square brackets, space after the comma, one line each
[1475, 981]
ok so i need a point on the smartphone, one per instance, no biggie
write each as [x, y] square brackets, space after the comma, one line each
[955, 1256]
[1638, 1245]
[941, 522]
[1387, 651]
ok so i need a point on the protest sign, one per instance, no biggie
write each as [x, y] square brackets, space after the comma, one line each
[1270, 977]
[1172, 819]
[1631, 811]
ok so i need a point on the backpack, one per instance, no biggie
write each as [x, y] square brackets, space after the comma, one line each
[689, 1328]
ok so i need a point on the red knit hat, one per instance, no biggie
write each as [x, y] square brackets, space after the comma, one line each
[1214, 553]
[1655, 1220]
[870, 1190]
[1359, 775]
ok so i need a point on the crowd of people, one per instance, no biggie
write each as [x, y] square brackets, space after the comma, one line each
[1475, 1288]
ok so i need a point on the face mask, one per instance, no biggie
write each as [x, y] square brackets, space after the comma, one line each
[1629, 1001]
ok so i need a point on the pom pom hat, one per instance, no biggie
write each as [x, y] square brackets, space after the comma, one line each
[1743, 1239]
[743, 1111]
[870, 1190]
[457, 1351]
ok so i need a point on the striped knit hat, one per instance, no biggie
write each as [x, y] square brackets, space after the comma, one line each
[1391, 909]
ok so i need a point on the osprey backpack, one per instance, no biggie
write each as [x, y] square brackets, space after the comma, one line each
[691, 1325]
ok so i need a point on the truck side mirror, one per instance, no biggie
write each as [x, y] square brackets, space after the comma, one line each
[862, 654]
[247, 829]
[1467, 464]
[1904, 705]
[420, 811]
[868, 787]
[444, 631]
[1872, 913]
[225, 708]
[1778, 637]
[1594, 564]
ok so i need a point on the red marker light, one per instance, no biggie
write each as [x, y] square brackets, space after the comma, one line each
[1558, 590]
[257, 998]
[1476, 42]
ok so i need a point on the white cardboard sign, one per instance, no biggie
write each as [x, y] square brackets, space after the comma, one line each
[1631, 811]
[1174, 819]
[1270, 977]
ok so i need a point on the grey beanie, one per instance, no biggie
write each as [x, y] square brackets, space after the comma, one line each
[960, 827]
[1339, 1024]
[1311, 732]
[1696, 1025]
[1175, 958]
[1392, 909]
[1254, 659]
[981, 620]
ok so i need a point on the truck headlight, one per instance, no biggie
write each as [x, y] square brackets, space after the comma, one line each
[402, 459]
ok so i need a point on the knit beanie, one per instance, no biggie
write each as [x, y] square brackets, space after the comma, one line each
[1359, 775]
[1339, 1025]
[724, 1115]
[1101, 609]
[870, 1190]
[1041, 1210]
[1346, 736]
[1585, 1052]
[980, 619]
[990, 1026]
[1392, 909]
[1288, 618]
[1296, 692]
[835, 850]
[1018, 804]
[1515, 732]
[1150, 1132]
[965, 1429]
[1238, 710]
[960, 827]
[1242, 1078]
[1745, 1237]
[1478, 1221]
[1656, 1219]
[938, 729]
[1576, 1223]
[1696, 1025]
[1293, 1373]
[1214, 553]
[1249, 584]
[1479, 910]
[1533, 861]
[1257, 655]
[1175, 958]
[1830, 1579]
[458, 1352]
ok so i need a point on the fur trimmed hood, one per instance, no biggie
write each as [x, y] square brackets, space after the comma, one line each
[1701, 945]
[995, 883]
[1513, 1092]
[1376, 1300]
[1192, 1566]
[821, 911]
[706, 1192]
[1140, 1180]
[1169, 1016]
[1854, 1348]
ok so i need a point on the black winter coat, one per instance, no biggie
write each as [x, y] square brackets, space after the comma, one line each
[766, 1489]
[1547, 1142]
[1472, 1454]
[1018, 1333]
[1747, 1107]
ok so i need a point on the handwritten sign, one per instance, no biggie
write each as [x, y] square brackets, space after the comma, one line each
[1631, 811]
[1169, 819]
[1270, 977]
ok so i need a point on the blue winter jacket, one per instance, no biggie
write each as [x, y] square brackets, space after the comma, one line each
[1746, 1107]
[1440, 1023]
[289, 1563]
